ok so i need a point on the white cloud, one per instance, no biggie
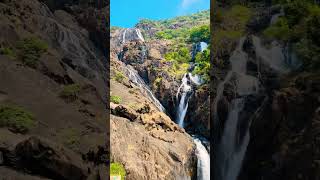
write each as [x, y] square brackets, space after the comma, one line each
[187, 3]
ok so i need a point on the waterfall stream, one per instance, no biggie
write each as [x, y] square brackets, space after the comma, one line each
[185, 89]
[232, 145]
[131, 34]
[144, 88]
[231, 149]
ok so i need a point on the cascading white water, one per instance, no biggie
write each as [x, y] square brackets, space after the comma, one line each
[184, 89]
[124, 36]
[196, 79]
[274, 57]
[231, 152]
[138, 81]
[139, 34]
[203, 46]
[203, 164]
[131, 34]
[233, 155]
[277, 57]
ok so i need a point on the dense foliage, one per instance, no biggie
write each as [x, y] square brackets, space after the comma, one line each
[202, 60]
[183, 32]
[229, 28]
[300, 28]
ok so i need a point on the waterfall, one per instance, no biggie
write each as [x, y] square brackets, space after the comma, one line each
[196, 79]
[124, 36]
[276, 17]
[144, 88]
[139, 34]
[231, 150]
[131, 34]
[203, 164]
[198, 47]
[203, 46]
[277, 57]
[274, 57]
[185, 90]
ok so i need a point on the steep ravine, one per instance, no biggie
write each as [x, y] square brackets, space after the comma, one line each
[156, 148]
[265, 109]
[133, 55]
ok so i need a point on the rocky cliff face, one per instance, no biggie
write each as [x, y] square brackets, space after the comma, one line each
[284, 141]
[63, 87]
[144, 139]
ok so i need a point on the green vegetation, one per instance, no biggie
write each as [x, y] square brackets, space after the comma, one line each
[30, 50]
[182, 55]
[157, 82]
[16, 118]
[119, 77]
[237, 18]
[181, 33]
[203, 64]
[193, 35]
[229, 27]
[70, 92]
[117, 169]
[7, 51]
[200, 33]
[280, 30]
[116, 99]
[178, 70]
[71, 137]
[177, 28]
[201, 17]
[300, 28]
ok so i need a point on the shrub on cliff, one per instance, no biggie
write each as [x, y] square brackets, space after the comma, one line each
[119, 76]
[70, 92]
[117, 169]
[30, 50]
[116, 99]
[16, 118]
[7, 51]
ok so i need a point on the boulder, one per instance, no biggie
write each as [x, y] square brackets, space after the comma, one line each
[41, 157]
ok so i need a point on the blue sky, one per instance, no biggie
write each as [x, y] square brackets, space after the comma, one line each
[126, 13]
